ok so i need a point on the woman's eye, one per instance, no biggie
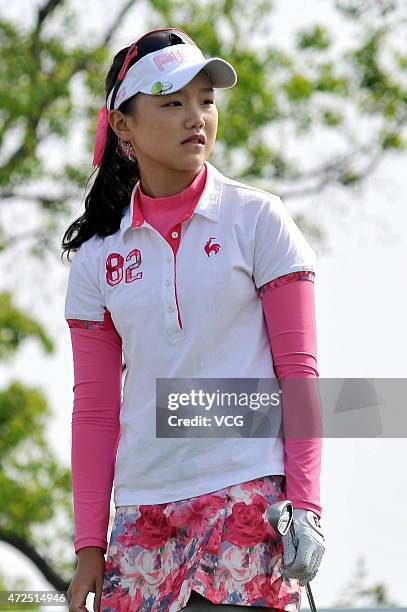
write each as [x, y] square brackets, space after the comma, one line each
[177, 102]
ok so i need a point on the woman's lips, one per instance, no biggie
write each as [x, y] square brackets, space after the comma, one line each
[198, 137]
[194, 144]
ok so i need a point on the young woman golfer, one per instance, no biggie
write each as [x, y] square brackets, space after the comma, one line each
[185, 273]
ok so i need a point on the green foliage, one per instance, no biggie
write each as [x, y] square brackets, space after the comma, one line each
[275, 87]
[35, 491]
[331, 118]
[298, 87]
[317, 37]
[16, 326]
[392, 140]
[329, 82]
[355, 9]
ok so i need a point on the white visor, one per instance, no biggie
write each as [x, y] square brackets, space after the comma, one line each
[170, 69]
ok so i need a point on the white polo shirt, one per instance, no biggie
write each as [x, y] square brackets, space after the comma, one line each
[238, 238]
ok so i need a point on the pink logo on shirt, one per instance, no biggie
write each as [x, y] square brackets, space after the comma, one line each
[211, 247]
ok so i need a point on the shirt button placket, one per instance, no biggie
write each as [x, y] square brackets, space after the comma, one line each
[169, 294]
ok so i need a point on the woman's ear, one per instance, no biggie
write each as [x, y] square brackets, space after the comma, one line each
[119, 124]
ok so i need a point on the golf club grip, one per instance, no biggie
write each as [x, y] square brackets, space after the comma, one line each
[307, 586]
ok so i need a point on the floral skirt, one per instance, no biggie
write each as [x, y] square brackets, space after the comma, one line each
[219, 544]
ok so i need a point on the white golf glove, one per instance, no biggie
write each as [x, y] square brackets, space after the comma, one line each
[303, 557]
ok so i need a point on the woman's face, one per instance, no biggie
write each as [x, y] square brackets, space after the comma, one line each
[160, 124]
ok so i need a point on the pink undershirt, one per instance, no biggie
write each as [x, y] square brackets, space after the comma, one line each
[289, 311]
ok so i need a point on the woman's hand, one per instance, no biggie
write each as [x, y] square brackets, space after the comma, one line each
[88, 578]
[303, 556]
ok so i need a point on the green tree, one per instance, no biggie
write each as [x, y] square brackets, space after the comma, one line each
[35, 491]
[312, 88]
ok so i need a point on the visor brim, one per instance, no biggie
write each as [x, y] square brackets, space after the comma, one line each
[221, 73]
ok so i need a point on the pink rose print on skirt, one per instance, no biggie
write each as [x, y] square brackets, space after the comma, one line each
[219, 544]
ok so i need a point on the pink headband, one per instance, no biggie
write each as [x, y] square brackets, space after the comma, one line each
[101, 135]
[102, 122]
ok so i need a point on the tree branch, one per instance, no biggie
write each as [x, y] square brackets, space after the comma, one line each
[46, 199]
[42, 564]
[46, 10]
[109, 34]
[83, 63]
[23, 150]
[333, 174]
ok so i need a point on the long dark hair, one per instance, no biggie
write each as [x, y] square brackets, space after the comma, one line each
[114, 182]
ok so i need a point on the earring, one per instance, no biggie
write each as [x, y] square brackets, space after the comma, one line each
[128, 150]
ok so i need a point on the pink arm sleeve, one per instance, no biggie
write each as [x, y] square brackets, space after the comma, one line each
[97, 358]
[289, 311]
